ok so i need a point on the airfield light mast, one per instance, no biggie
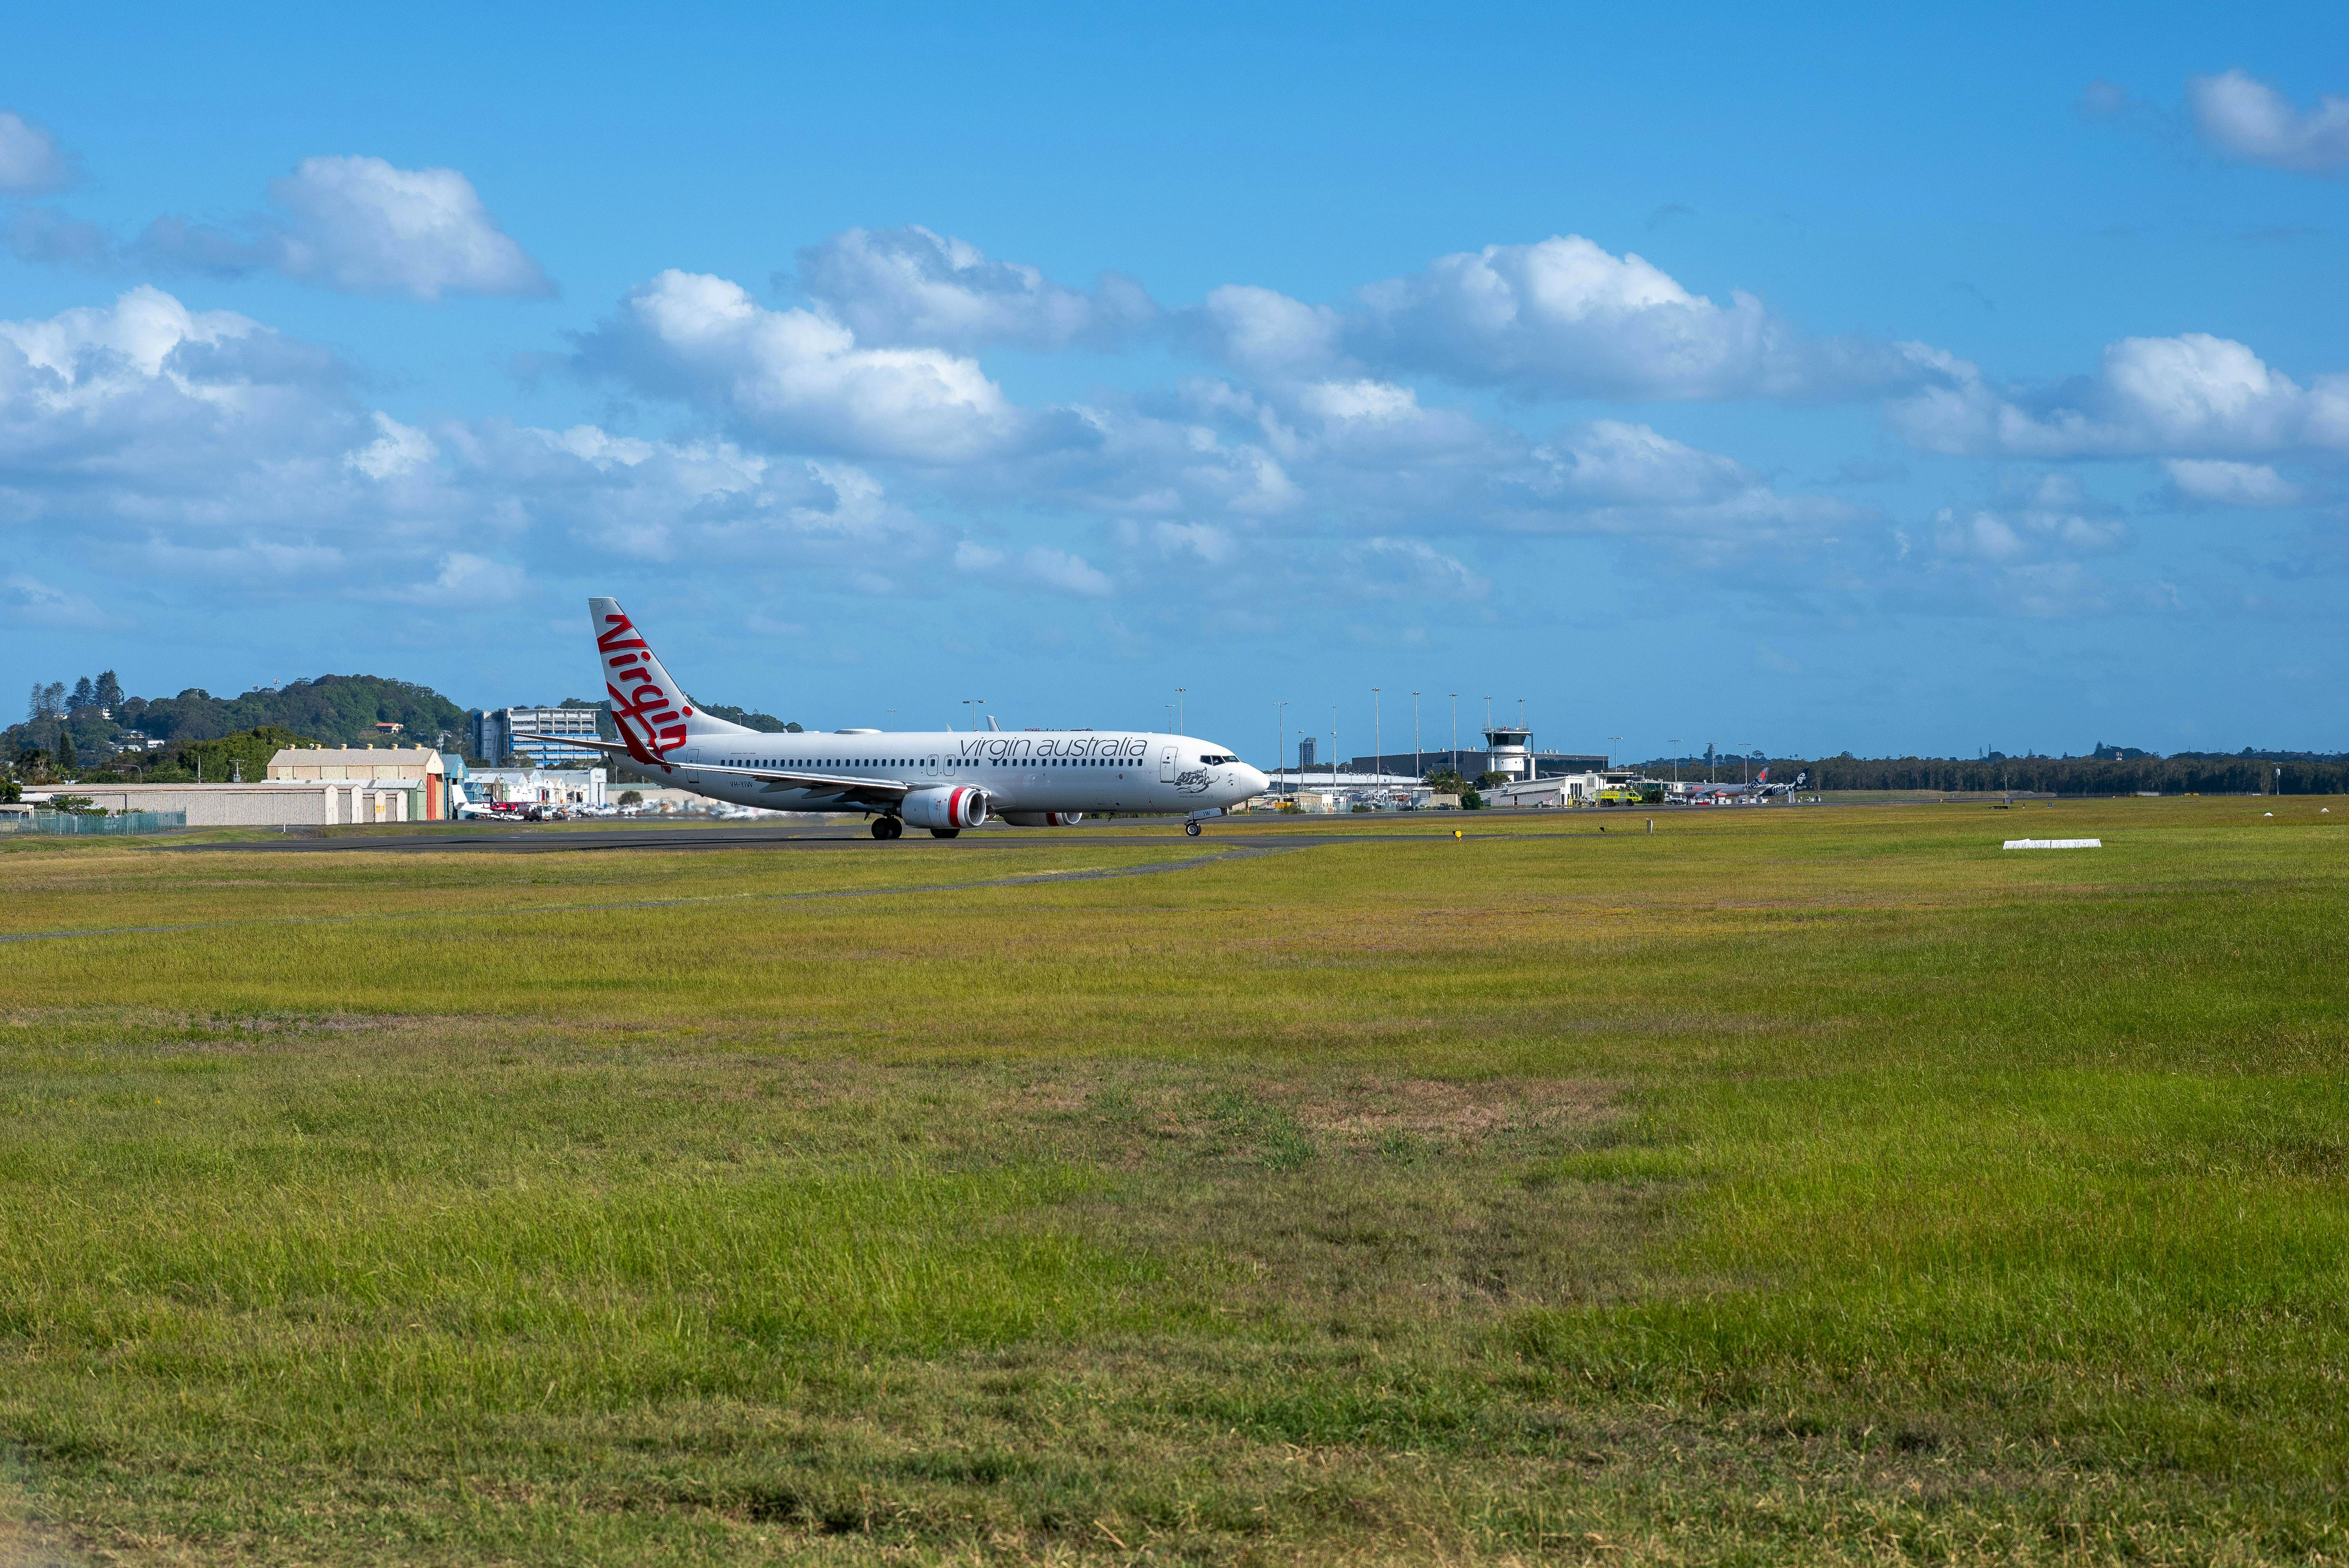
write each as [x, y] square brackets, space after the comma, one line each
[1280, 739]
[1416, 770]
[1377, 767]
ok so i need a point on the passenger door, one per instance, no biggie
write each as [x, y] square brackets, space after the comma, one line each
[1166, 755]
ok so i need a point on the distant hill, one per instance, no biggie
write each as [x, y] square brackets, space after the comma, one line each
[335, 710]
[344, 709]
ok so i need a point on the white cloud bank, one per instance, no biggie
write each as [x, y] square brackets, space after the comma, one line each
[362, 226]
[31, 161]
[2245, 119]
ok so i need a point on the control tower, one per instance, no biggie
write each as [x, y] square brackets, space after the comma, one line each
[1509, 749]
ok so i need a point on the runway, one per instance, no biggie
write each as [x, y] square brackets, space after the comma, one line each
[573, 837]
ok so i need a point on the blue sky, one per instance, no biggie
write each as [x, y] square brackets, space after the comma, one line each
[1909, 383]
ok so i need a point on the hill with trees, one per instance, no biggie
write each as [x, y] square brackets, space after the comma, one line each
[76, 729]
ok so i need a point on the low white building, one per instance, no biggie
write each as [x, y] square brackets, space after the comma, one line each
[269, 803]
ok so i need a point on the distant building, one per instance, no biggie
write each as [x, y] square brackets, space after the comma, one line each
[1506, 750]
[417, 769]
[1305, 754]
[535, 736]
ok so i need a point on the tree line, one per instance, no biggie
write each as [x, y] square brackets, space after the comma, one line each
[2186, 773]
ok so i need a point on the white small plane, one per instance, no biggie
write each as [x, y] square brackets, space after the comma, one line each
[943, 780]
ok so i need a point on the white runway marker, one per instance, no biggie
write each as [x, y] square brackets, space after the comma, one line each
[2054, 843]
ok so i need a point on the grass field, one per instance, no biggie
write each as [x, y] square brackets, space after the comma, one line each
[1807, 1185]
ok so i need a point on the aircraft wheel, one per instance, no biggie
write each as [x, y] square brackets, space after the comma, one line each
[944, 833]
[1191, 828]
[887, 828]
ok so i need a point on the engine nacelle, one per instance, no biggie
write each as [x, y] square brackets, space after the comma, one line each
[1043, 819]
[949, 806]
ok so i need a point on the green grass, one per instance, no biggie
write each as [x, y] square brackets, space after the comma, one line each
[1811, 1185]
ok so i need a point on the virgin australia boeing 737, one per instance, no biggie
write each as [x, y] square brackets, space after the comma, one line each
[945, 781]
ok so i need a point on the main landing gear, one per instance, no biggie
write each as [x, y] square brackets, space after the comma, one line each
[944, 833]
[1191, 828]
[888, 828]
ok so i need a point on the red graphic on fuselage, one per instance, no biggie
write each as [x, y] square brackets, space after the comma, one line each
[639, 701]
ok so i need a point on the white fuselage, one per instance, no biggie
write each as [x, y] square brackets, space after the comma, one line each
[1089, 770]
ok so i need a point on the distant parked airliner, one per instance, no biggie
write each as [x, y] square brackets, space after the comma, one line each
[943, 780]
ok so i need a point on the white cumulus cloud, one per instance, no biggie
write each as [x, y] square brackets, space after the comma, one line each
[2211, 482]
[2194, 394]
[797, 379]
[1562, 318]
[362, 226]
[911, 286]
[1060, 569]
[31, 161]
[2245, 118]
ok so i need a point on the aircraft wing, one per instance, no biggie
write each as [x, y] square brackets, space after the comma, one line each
[884, 791]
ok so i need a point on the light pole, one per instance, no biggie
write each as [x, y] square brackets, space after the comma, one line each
[1333, 746]
[1748, 759]
[1378, 766]
[1488, 732]
[1455, 732]
[1279, 737]
[1675, 740]
[1612, 741]
[970, 704]
[1417, 771]
[1178, 708]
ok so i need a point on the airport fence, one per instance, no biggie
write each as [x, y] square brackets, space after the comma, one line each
[76, 822]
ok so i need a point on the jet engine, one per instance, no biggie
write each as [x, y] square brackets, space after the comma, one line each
[1043, 819]
[951, 807]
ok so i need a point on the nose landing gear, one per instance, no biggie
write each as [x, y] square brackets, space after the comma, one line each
[887, 828]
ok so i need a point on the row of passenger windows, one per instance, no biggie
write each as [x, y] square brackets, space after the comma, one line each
[992, 762]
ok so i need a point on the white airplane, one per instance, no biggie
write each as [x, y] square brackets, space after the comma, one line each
[943, 780]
